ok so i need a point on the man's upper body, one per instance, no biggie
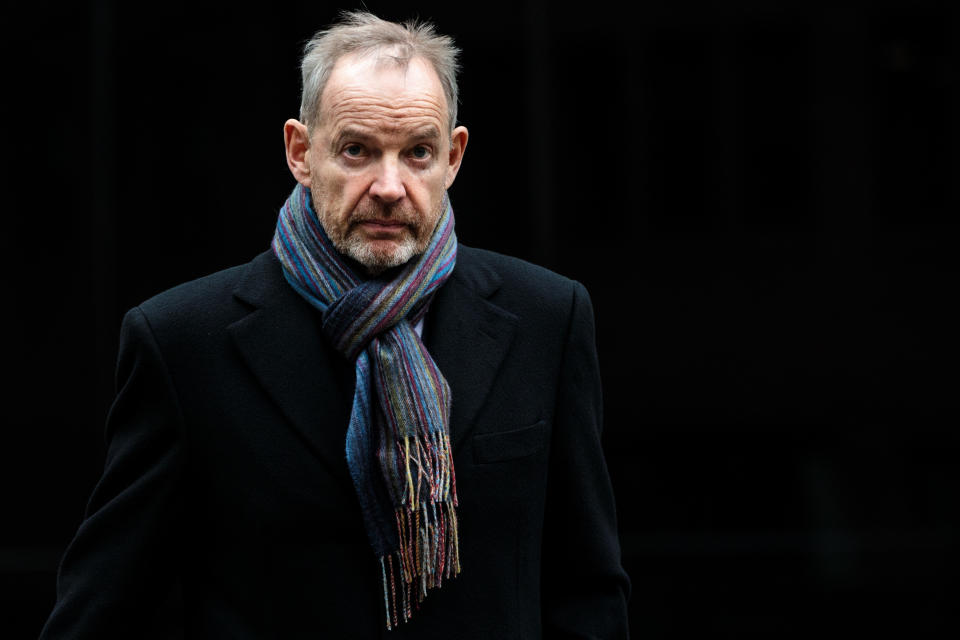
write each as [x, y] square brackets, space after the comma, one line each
[232, 475]
[226, 469]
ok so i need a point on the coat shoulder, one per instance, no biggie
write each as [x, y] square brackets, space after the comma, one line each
[515, 280]
[208, 300]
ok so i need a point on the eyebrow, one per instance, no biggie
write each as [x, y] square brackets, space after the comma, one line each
[350, 132]
[428, 132]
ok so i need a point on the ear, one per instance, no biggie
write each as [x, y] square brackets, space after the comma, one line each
[458, 144]
[296, 139]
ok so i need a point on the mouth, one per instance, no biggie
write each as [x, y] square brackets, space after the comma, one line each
[383, 223]
[382, 228]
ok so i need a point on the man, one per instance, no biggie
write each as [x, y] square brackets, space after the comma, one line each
[369, 430]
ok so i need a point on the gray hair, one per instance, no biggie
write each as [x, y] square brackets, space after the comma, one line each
[362, 32]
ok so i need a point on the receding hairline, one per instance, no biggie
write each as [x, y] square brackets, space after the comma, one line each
[382, 61]
[362, 33]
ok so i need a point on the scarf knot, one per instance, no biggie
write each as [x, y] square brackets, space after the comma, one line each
[398, 440]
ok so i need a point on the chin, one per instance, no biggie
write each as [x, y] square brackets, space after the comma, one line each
[376, 259]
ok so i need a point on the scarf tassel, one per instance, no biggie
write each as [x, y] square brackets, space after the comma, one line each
[429, 553]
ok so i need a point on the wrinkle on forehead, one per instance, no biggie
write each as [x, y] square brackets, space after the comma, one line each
[391, 114]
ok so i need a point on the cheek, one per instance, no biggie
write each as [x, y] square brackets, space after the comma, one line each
[430, 190]
[339, 191]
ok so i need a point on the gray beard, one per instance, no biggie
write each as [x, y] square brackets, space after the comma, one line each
[376, 262]
[354, 247]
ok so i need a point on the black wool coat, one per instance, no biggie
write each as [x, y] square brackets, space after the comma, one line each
[226, 482]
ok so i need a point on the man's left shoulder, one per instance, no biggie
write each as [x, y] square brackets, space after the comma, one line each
[513, 277]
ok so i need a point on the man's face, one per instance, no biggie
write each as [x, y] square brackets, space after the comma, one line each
[380, 159]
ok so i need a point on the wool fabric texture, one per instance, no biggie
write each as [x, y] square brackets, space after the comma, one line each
[398, 440]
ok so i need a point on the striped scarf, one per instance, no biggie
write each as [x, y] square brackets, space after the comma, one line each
[398, 440]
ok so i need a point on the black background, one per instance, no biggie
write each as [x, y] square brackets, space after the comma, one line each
[760, 196]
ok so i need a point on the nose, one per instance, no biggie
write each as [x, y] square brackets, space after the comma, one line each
[388, 183]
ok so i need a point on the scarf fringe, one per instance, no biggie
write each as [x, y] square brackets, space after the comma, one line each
[429, 553]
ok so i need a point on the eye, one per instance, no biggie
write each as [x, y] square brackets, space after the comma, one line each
[420, 152]
[353, 150]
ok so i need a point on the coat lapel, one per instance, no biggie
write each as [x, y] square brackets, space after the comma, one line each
[282, 344]
[468, 337]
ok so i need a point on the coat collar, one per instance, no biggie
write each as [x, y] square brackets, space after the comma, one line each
[467, 335]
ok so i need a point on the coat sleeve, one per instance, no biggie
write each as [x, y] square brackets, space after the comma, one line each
[584, 587]
[121, 562]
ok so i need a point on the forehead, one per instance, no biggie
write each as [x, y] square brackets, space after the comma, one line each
[374, 91]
